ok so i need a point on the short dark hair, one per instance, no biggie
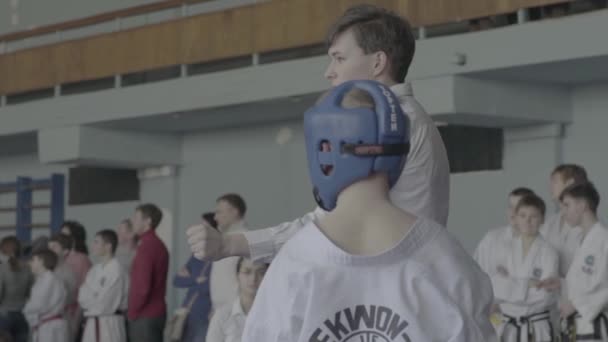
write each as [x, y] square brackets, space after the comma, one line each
[79, 235]
[358, 98]
[48, 257]
[210, 218]
[533, 201]
[573, 172]
[64, 240]
[151, 211]
[109, 236]
[236, 201]
[11, 246]
[521, 192]
[585, 191]
[353, 98]
[127, 222]
[379, 29]
[239, 263]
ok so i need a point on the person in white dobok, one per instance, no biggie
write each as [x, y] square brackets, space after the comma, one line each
[104, 294]
[497, 241]
[584, 310]
[528, 259]
[366, 43]
[500, 238]
[228, 321]
[61, 245]
[367, 271]
[556, 231]
[45, 309]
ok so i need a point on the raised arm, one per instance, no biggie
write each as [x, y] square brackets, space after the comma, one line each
[259, 245]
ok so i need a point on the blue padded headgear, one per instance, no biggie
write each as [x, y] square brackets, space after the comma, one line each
[363, 141]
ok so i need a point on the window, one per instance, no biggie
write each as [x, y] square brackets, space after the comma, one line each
[473, 148]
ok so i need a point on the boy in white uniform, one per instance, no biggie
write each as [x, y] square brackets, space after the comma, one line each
[584, 310]
[499, 238]
[44, 310]
[528, 260]
[61, 245]
[555, 230]
[496, 242]
[104, 294]
[367, 270]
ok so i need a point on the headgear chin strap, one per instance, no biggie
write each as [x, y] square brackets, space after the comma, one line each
[347, 145]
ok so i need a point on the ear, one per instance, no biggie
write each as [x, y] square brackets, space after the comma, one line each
[380, 63]
[235, 212]
[585, 205]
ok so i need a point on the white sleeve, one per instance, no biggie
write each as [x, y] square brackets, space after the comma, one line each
[265, 243]
[542, 297]
[476, 302]
[86, 294]
[104, 300]
[38, 302]
[214, 332]
[590, 304]
[482, 253]
[509, 289]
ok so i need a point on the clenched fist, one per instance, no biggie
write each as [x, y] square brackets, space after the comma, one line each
[206, 243]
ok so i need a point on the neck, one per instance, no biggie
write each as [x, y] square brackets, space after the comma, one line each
[246, 302]
[229, 225]
[527, 241]
[588, 221]
[358, 199]
[388, 81]
[364, 221]
[106, 258]
[145, 231]
[129, 244]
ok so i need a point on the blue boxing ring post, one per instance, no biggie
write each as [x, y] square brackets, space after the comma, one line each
[24, 188]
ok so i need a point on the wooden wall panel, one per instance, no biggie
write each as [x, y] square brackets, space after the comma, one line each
[217, 35]
[31, 69]
[6, 65]
[147, 48]
[267, 26]
[99, 57]
[286, 24]
[69, 59]
[86, 59]
[433, 12]
[123, 13]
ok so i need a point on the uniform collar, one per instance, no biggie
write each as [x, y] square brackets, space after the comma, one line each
[237, 308]
[403, 89]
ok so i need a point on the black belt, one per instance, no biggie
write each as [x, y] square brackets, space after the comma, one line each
[519, 322]
[597, 328]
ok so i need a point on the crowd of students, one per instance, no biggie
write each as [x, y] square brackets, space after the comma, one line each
[51, 292]
[549, 270]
